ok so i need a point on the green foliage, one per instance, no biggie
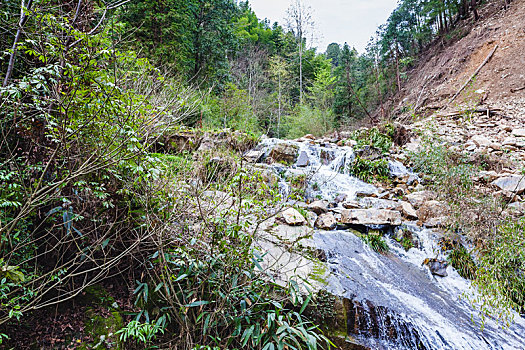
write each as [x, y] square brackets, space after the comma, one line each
[373, 138]
[309, 120]
[376, 242]
[368, 170]
[143, 333]
[406, 243]
[463, 262]
[220, 298]
[500, 273]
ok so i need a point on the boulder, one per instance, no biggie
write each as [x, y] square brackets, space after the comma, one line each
[513, 183]
[408, 211]
[293, 218]
[437, 267]
[303, 160]
[518, 132]
[370, 217]
[326, 222]
[284, 152]
[318, 207]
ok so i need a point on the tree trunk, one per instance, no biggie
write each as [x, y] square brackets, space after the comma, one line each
[23, 19]
[474, 9]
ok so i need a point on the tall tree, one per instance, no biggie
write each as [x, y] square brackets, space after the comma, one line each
[300, 23]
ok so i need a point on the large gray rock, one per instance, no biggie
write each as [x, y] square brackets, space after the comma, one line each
[370, 217]
[318, 207]
[326, 222]
[303, 160]
[284, 152]
[513, 183]
[293, 218]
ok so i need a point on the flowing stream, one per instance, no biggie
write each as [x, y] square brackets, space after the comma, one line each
[393, 301]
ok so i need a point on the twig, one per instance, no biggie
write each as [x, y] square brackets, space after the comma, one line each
[517, 89]
[473, 75]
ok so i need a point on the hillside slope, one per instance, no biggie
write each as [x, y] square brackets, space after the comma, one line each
[444, 69]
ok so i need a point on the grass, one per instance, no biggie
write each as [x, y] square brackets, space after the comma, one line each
[376, 242]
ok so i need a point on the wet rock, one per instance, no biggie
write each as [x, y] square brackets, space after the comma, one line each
[303, 160]
[514, 183]
[369, 152]
[293, 218]
[318, 207]
[370, 217]
[340, 198]
[377, 203]
[309, 137]
[326, 222]
[284, 152]
[418, 198]
[437, 267]
[408, 211]
[327, 156]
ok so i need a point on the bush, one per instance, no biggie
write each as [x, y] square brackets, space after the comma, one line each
[368, 170]
[373, 138]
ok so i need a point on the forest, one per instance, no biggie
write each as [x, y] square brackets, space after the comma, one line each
[95, 204]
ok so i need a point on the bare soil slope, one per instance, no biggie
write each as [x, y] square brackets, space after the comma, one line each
[444, 69]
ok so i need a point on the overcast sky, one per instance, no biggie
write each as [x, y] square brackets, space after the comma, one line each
[351, 21]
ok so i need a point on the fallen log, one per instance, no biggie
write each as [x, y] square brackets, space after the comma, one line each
[473, 75]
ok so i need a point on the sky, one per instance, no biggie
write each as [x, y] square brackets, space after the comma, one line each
[351, 21]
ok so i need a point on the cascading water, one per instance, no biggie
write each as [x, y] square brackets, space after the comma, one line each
[392, 301]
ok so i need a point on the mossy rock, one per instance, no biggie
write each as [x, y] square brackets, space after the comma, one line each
[96, 295]
[103, 330]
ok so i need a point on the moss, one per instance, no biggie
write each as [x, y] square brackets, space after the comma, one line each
[102, 330]
[319, 273]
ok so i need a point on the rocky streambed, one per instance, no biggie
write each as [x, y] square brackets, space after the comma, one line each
[406, 298]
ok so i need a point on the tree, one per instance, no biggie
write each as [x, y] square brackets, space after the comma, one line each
[333, 53]
[300, 23]
[279, 73]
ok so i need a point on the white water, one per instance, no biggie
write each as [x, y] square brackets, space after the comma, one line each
[400, 294]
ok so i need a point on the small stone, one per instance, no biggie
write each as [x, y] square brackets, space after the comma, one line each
[418, 198]
[253, 156]
[437, 267]
[351, 205]
[326, 222]
[293, 218]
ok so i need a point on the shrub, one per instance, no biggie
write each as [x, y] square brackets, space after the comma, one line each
[368, 170]
[373, 138]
